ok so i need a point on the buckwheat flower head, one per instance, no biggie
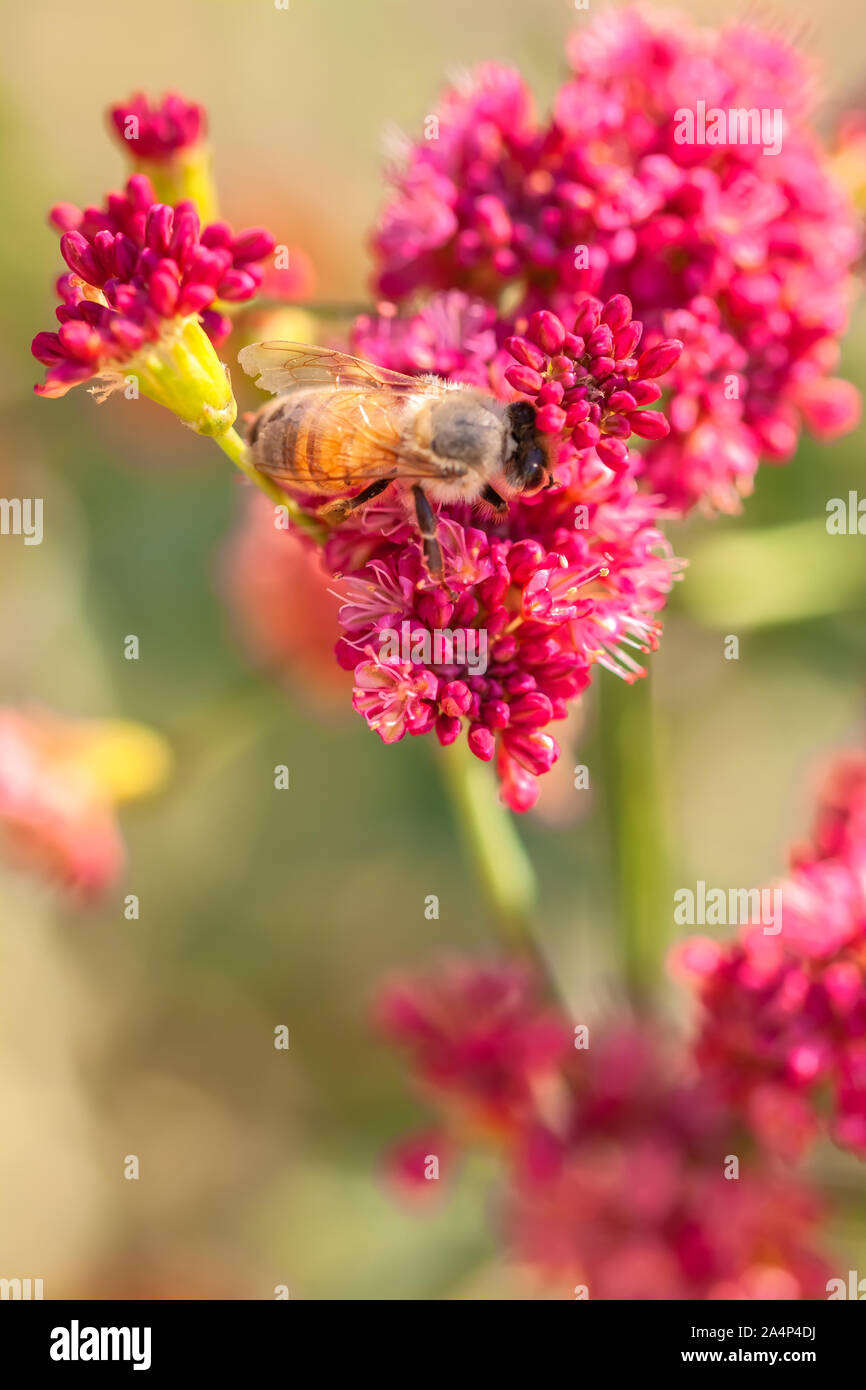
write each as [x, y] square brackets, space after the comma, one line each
[540, 605]
[480, 1039]
[612, 1157]
[60, 783]
[482, 1046]
[159, 129]
[782, 1021]
[744, 256]
[839, 823]
[590, 384]
[450, 336]
[623, 1191]
[450, 223]
[529, 604]
[167, 141]
[139, 299]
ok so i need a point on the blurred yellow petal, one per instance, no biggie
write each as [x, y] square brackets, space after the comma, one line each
[284, 323]
[126, 759]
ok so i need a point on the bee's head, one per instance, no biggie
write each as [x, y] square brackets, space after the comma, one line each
[527, 466]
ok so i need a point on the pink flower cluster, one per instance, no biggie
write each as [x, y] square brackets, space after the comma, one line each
[451, 336]
[536, 244]
[61, 781]
[743, 255]
[162, 128]
[623, 1191]
[137, 266]
[614, 1163]
[574, 578]
[783, 1017]
[587, 385]
[481, 1040]
[54, 816]
[614, 1151]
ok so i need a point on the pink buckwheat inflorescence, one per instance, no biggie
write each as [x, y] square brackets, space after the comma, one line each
[480, 1037]
[545, 603]
[588, 385]
[611, 1156]
[743, 252]
[159, 130]
[571, 578]
[782, 1024]
[620, 1189]
[137, 270]
[451, 335]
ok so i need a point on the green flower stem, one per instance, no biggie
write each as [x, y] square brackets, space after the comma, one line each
[637, 814]
[234, 448]
[188, 175]
[182, 373]
[491, 842]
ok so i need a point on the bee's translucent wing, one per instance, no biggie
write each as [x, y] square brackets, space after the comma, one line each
[279, 367]
[375, 417]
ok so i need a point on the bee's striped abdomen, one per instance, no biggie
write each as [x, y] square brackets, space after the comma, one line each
[317, 439]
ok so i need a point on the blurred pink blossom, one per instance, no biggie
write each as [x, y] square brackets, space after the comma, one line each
[745, 257]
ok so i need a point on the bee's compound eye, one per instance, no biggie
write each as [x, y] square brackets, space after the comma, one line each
[533, 470]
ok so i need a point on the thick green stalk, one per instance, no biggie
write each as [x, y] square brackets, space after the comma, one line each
[233, 446]
[188, 175]
[638, 826]
[491, 842]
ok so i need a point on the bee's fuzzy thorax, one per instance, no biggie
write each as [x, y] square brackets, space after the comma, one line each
[464, 487]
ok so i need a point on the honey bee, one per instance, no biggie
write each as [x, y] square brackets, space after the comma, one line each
[341, 426]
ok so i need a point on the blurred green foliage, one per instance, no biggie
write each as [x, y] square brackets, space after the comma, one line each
[260, 907]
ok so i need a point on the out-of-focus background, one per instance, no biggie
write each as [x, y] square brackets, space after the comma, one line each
[259, 907]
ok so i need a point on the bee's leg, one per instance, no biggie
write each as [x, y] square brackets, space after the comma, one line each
[426, 519]
[335, 512]
[499, 504]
